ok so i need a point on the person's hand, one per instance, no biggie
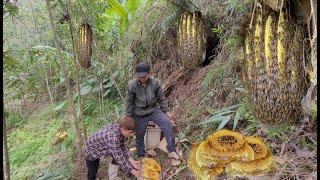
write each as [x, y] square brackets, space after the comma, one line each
[135, 164]
[135, 173]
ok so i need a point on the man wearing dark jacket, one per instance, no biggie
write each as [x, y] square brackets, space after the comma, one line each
[109, 142]
[145, 101]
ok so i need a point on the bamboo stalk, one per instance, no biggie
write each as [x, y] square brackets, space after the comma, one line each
[6, 162]
[63, 69]
[77, 71]
[101, 90]
[47, 84]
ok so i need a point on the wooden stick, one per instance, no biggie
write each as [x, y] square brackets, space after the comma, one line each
[254, 9]
[177, 171]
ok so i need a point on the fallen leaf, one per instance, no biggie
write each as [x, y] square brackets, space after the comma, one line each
[184, 140]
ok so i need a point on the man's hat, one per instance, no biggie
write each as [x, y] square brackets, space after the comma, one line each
[142, 69]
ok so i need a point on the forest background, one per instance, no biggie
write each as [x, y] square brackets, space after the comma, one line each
[52, 104]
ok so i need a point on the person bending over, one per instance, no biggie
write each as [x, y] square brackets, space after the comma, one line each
[110, 142]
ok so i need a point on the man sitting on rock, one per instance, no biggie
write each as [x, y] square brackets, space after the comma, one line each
[109, 142]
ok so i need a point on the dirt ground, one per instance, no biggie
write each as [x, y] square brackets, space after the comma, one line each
[181, 87]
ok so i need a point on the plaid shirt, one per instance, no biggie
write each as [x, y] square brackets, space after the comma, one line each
[109, 142]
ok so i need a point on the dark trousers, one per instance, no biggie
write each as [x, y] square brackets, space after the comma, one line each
[93, 167]
[160, 119]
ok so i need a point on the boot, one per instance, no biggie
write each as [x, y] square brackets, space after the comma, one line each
[113, 172]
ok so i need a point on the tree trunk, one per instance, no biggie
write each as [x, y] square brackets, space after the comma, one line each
[23, 103]
[77, 71]
[69, 90]
[6, 164]
[34, 22]
[102, 101]
[101, 96]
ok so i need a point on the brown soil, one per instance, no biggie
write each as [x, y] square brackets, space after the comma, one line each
[185, 95]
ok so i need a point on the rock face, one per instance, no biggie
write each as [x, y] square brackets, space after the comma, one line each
[300, 8]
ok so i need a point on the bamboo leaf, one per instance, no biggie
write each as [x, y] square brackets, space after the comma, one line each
[240, 89]
[223, 113]
[236, 119]
[224, 122]
[225, 109]
[132, 6]
[213, 119]
[118, 8]
[106, 93]
[85, 90]
[95, 89]
[60, 106]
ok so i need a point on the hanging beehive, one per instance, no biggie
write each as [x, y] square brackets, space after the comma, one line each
[273, 73]
[84, 45]
[191, 39]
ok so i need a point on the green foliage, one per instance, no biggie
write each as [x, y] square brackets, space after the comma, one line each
[305, 142]
[224, 116]
[122, 13]
[114, 21]
[50, 175]
[10, 63]
[60, 106]
[218, 30]
[279, 131]
[15, 120]
[26, 77]
[221, 77]
[11, 8]
[233, 42]
[30, 148]
[20, 153]
[91, 108]
[13, 70]
[314, 111]
[250, 122]
[235, 6]
[214, 77]
[133, 6]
